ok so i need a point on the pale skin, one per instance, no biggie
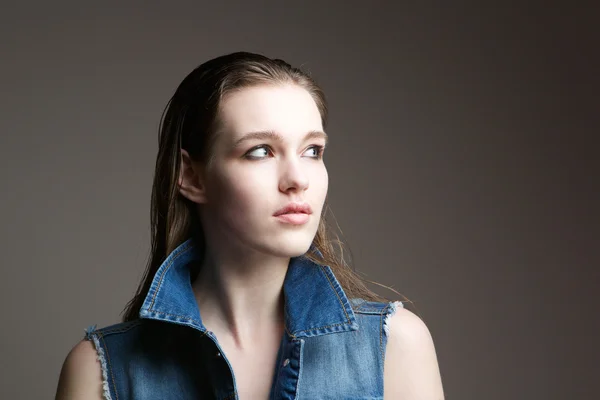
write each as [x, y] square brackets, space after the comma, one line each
[239, 290]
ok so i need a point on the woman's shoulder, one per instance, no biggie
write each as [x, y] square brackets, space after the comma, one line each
[411, 353]
[81, 373]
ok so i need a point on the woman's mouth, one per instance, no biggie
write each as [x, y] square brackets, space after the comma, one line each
[293, 218]
[294, 213]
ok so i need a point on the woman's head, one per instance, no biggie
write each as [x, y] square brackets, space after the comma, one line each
[214, 106]
[213, 183]
[266, 154]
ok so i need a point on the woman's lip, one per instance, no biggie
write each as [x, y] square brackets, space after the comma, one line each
[294, 208]
[293, 218]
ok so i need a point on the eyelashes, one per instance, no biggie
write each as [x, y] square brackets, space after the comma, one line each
[263, 151]
[318, 151]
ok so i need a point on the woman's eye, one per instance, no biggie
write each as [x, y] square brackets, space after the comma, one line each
[315, 151]
[258, 152]
[264, 151]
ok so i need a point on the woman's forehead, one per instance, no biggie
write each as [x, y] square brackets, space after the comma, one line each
[288, 110]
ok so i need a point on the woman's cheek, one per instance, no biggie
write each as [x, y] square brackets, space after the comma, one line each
[320, 182]
[245, 193]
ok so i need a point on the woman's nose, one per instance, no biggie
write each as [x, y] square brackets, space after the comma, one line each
[293, 177]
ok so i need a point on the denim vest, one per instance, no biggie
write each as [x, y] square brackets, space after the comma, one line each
[333, 347]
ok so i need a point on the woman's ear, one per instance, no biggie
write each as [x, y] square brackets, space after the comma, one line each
[191, 182]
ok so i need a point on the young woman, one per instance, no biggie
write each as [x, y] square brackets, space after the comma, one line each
[244, 296]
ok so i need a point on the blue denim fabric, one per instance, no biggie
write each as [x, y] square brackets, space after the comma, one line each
[333, 347]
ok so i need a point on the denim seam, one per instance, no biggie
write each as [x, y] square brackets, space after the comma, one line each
[110, 331]
[381, 318]
[370, 311]
[112, 376]
[93, 337]
[175, 315]
[300, 369]
[314, 329]
[365, 309]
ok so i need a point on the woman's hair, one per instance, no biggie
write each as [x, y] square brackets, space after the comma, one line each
[189, 122]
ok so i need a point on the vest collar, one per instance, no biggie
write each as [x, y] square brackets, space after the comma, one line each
[315, 303]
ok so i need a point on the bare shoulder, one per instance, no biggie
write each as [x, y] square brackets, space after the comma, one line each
[407, 327]
[411, 369]
[81, 374]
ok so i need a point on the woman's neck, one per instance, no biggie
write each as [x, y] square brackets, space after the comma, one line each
[242, 297]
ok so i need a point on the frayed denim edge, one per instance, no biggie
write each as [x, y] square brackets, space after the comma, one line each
[90, 335]
[390, 311]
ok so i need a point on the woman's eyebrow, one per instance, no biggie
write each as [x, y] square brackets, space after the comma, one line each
[272, 135]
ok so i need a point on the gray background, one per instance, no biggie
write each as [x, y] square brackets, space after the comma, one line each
[461, 164]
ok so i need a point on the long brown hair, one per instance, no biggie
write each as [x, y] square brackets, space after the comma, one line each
[189, 123]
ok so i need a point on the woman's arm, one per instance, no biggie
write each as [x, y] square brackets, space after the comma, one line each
[411, 370]
[81, 374]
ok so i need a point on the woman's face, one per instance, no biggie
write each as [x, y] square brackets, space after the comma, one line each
[267, 155]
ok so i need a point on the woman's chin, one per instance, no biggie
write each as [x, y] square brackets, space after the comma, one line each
[290, 248]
